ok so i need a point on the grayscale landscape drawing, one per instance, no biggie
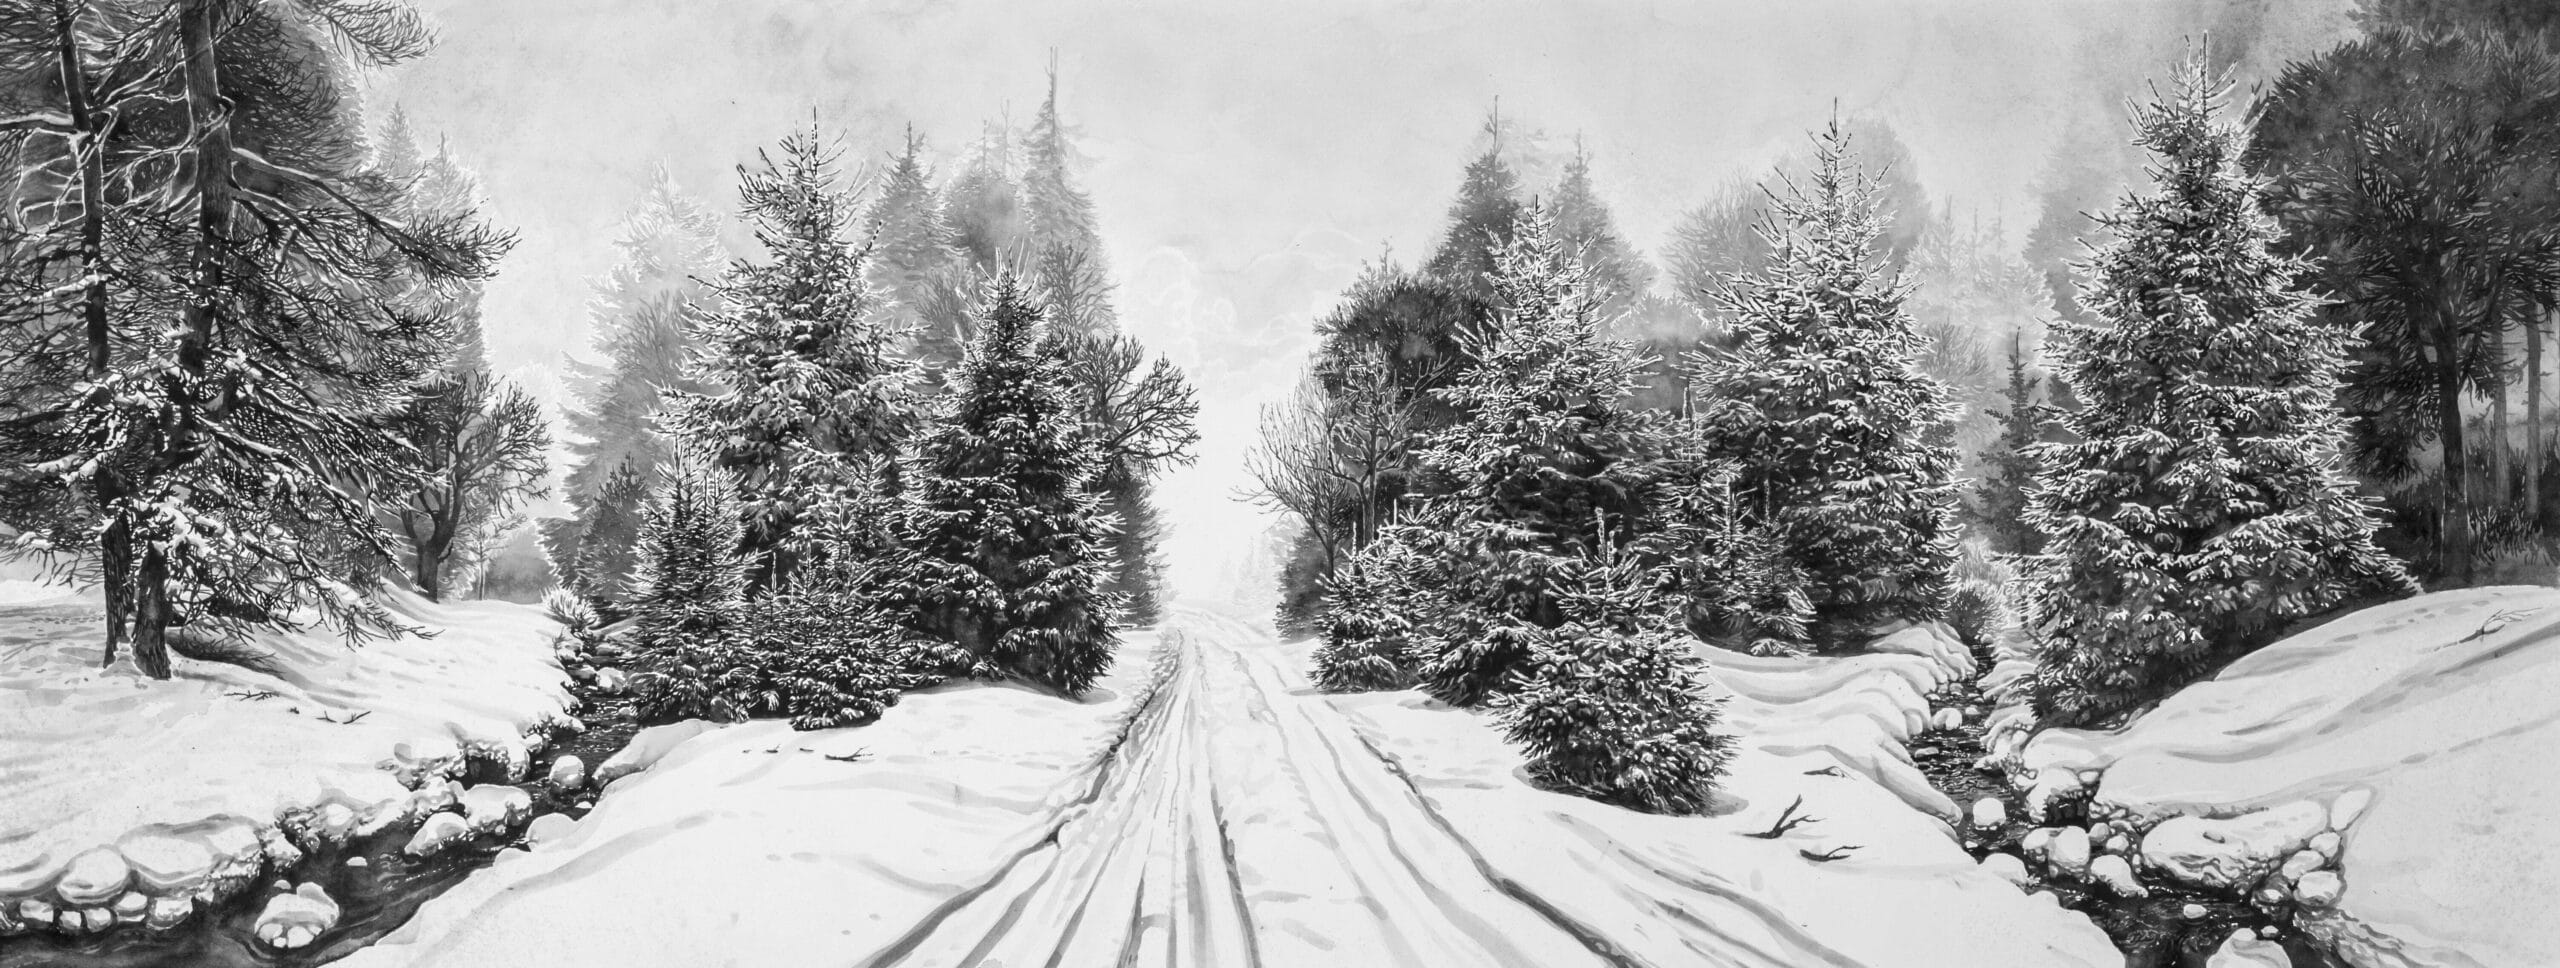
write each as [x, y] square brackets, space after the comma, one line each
[1399, 483]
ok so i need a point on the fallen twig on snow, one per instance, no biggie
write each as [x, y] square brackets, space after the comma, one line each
[1788, 819]
[1828, 856]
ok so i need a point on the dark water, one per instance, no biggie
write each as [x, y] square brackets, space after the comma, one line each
[2153, 931]
[374, 899]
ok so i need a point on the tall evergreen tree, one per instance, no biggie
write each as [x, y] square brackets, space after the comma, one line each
[1055, 213]
[1544, 470]
[982, 203]
[643, 317]
[1823, 407]
[2204, 506]
[808, 369]
[2000, 501]
[1481, 222]
[1591, 233]
[912, 264]
[1011, 547]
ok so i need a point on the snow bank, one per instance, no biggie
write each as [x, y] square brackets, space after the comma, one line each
[1705, 890]
[2411, 740]
[757, 845]
[124, 799]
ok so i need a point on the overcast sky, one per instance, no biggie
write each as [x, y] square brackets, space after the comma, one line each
[1245, 158]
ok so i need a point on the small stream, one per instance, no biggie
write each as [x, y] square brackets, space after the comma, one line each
[2173, 927]
[375, 897]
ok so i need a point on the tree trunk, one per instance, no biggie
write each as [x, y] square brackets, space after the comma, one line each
[209, 123]
[151, 615]
[2533, 422]
[88, 149]
[2501, 473]
[2454, 525]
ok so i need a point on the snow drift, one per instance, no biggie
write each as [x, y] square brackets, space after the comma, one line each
[124, 799]
[2410, 742]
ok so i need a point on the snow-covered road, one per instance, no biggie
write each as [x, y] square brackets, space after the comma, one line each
[1229, 829]
[1205, 807]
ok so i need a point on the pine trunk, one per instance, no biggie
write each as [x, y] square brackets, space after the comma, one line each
[2533, 422]
[88, 148]
[2454, 526]
[209, 122]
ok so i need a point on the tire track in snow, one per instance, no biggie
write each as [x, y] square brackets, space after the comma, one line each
[1136, 873]
[1336, 856]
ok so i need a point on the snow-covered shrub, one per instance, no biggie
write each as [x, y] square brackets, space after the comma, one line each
[688, 591]
[571, 610]
[827, 659]
[1619, 717]
[1735, 587]
[1368, 625]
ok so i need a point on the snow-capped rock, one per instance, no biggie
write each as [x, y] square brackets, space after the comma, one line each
[547, 828]
[568, 773]
[93, 878]
[169, 912]
[2326, 843]
[1990, 812]
[2302, 862]
[439, 832]
[2113, 873]
[647, 747]
[2233, 852]
[611, 681]
[2193, 911]
[492, 808]
[2069, 852]
[1947, 717]
[2318, 889]
[130, 907]
[2051, 785]
[294, 920]
[2246, 950]
[2036, 842]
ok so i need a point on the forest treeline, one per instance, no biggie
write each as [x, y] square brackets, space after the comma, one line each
[243, 384]
[2276, 375]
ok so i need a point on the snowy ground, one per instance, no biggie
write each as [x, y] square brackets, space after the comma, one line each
[1225, 814]
[2421, 730]
[120, 794]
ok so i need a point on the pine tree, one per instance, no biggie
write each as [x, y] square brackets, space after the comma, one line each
[983, 206]
[282, 336]
[1591, 233]
[1481, 222]
[643, 316]
[1370, 621]
[912, 263]
[608, 545]
[1011, 548]
[2204, 506]
[1824, 410]
[689, 591]
[1544, 469]
[1056, 214]
[2000, 501]
[1614, 707]
[807, 366]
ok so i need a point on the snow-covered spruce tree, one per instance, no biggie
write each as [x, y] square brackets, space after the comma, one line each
[1544, 469]
[2205, 505]
[1011, 548]
[1999, 506]
[643, 316]
[689, 594]
[804, 365]
[1374, 604]
[1729, 582]
[1613, 704]
[1822, 407]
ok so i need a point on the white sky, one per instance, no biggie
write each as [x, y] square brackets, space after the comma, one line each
[1246, 157]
